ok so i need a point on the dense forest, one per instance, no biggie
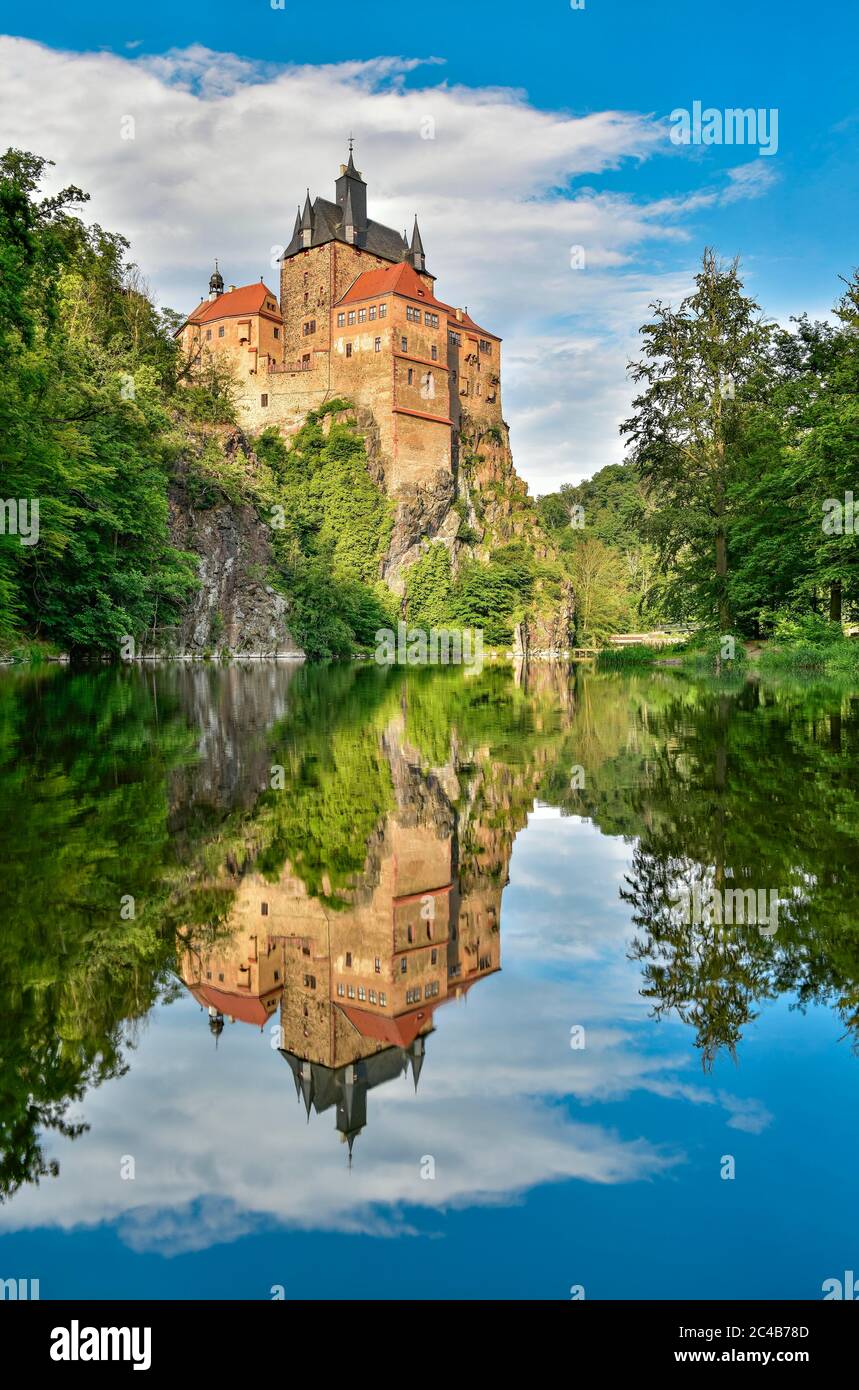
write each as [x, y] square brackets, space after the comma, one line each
[732, 512]
[735, 508]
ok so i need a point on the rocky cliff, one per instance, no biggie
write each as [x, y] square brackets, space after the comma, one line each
[220, 502]
[236, 611]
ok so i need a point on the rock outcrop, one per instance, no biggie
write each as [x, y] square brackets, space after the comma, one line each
[235, 612]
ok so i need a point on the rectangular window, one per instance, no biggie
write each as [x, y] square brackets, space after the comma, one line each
[351, 316]
[372, 996]
[277, 332]
[309, 327]
[383, 311]
[362, 315]
[263, 400]
[434, 351]
[404, 344]
[411, 377]
[305, 360]
[404, 965]
[349, 959]
[263, 907]
[208, 333]
[341, 991]
[277, 975]
[378, 966]
[341, 319]
[377, 345]
[310, 982]
[348, 349]
[351, 991]
[383, 1000]
[485, 345]
[372, 311]
[454, 338]
[431, 320]
[221, 331]
[411, 934]
[362, 993]
[434, 956]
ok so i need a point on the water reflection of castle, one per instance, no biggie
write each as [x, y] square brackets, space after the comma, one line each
[358, 986]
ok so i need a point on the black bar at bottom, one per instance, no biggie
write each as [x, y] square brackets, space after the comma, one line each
[65, 1338]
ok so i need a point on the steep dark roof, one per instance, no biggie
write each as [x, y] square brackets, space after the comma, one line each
[328, 225]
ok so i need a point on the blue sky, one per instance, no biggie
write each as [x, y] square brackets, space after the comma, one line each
[551, 131]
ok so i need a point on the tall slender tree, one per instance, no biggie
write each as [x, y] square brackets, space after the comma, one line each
[704, 366]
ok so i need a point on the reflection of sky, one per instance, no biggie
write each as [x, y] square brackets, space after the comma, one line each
[554, 1166]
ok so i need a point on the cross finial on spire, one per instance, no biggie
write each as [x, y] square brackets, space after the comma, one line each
[351, 141]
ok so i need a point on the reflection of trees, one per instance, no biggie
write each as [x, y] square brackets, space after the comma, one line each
[754, 788]
[710, 975]
[82, 764]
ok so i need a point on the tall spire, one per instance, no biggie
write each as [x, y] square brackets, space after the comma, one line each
[416, 1056]
[349, 227]
[307, 222]
[416, 250]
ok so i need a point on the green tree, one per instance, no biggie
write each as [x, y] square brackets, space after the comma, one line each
[704, 367]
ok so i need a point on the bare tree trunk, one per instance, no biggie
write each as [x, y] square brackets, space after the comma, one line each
[835, 601]
[722, 581]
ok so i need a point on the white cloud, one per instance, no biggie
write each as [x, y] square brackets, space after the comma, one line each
[223, 149]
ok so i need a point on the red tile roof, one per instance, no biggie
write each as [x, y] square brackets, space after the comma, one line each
[247, 299]
[247, 1008]
[400, 1031]
[404, 280]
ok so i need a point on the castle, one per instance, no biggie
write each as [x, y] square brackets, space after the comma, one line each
[357, 318]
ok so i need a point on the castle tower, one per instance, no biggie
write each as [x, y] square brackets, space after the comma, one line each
[351, 196]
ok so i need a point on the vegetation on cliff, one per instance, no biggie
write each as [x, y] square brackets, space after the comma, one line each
[84, 427]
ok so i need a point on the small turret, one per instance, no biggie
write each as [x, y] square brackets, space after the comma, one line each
[216, 283]
[416, 255]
